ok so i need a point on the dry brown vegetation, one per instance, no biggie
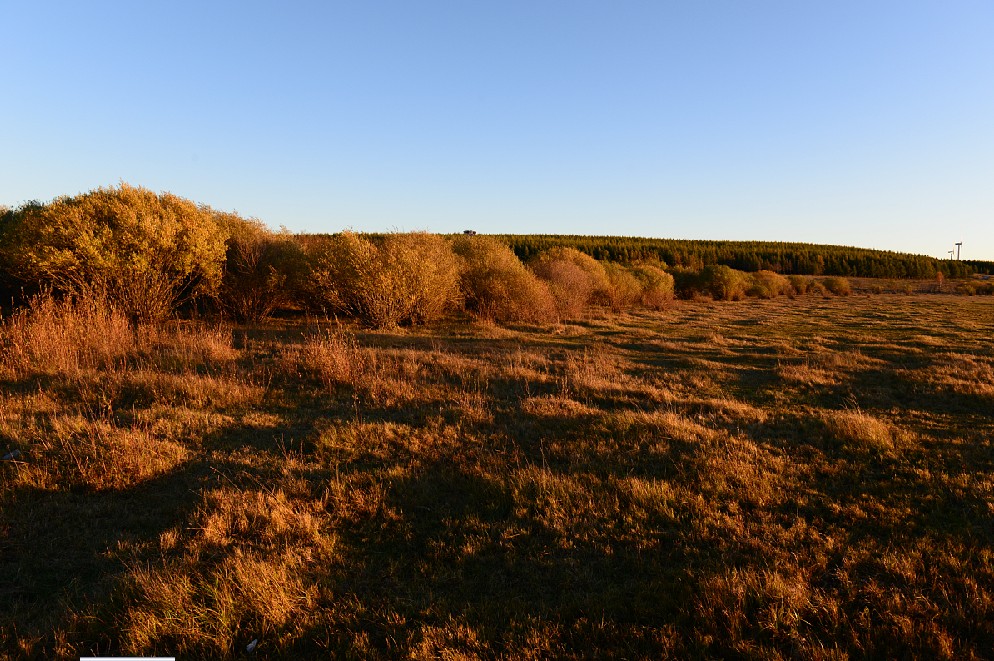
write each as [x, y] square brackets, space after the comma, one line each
[497, 286]
[405, 279]
[766, 479]
[155, 256]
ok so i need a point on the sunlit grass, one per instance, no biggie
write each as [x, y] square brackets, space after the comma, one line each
[769, 478]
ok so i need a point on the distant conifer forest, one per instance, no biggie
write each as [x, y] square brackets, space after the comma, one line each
[781, 257]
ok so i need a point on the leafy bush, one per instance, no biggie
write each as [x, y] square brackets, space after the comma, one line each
[144, 252]
[723, 283]
[8, 283]
[406, 279]
[569, 286]
[800, 283]
[767, 284]
[686, 282]
[497, 286]
[576, 280]
[838, 286]
[657, 285]
[624, 288]
[263, 270]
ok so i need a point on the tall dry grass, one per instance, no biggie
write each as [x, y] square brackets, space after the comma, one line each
[860, 430]
[66, 336]
[258, 544]
[69, 336]
[93, 368]
[472, 493]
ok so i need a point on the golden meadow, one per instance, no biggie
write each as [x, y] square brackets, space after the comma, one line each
[414, 446]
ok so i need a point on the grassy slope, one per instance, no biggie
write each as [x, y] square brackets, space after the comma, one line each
[810, 477]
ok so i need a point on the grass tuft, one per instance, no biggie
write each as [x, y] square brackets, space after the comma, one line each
[860, 430]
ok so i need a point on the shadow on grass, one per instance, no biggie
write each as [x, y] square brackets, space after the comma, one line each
[62, 552]
[64, 549]
[460, 548]
[886, 388]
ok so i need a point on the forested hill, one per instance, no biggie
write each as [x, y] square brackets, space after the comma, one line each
[786, 258]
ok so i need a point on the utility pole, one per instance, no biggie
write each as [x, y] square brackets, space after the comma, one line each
[950, 255]
[957, 250]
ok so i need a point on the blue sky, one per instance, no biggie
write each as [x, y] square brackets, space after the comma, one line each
[854, 123]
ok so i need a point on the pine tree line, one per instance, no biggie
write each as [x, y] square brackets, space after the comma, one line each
[785, 258]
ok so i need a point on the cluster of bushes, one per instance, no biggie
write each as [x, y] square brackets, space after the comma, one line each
[403, 279]
[154, 254]
[406, 279]
[723, 283]
[497, 286]
[151, 255]
[975, 288]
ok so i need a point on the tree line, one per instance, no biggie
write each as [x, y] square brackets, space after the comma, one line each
[751, 256]
[150, 255]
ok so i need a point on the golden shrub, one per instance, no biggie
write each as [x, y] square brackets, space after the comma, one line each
[575, 279]
[405, 279]
[497, 286]
[145, 252]
[657, 285]
[723, 283]
[838, 286]
[767, 284]
[625, 290]
[800, 283]
[263, 269]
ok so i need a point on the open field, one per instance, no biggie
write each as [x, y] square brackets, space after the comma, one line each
[766, 478]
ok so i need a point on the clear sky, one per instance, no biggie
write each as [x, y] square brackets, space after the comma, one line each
[867, 123]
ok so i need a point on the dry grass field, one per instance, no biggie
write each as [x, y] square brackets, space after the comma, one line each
[779, 478]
